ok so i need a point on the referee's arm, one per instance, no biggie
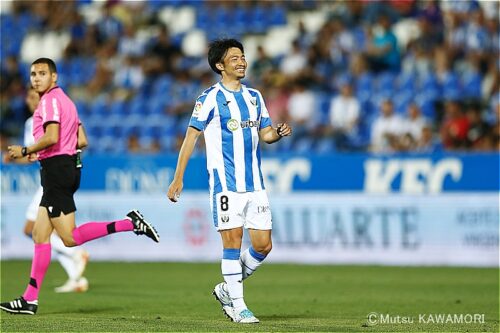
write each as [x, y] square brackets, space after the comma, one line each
[82, 137]
[49, 138]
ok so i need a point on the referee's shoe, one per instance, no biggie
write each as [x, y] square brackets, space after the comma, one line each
[141, 226]
[20, 306]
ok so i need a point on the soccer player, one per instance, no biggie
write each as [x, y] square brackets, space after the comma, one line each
[58, 131]
[233, 118]
[72, 260]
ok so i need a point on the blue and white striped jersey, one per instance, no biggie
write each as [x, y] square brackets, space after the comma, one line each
[231, 121]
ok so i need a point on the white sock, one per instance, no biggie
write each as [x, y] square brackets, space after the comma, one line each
[250, 260]
[65, 256]
[232, 272]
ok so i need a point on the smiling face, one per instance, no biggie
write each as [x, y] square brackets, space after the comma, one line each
[42, 79]
[234, 64]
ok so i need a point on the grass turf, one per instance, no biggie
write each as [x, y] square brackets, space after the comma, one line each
[151, 297]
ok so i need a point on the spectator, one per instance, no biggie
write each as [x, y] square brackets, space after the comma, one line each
[383, 51]
[344, 116]
[427, 142]
[301, 107]
[478, 129]
[455, 127]
[294, 61]
[414, 122]
[261, 67]
[163, 54]
[386, 130]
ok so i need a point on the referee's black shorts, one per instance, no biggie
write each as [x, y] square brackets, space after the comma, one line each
[60, 179]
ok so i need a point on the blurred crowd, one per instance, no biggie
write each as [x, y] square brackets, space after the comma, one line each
[379, 76]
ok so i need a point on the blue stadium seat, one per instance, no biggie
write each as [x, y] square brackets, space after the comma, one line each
[471, 82]
[406, 82]
[98, 106]
[386, 81]
[277, 15]
[325, 145]
[118, 107]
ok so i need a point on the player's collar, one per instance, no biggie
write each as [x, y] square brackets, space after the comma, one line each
[231, 91]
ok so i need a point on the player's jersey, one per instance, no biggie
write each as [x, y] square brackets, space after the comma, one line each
[231, 121]
[29, 139]
[56, 106]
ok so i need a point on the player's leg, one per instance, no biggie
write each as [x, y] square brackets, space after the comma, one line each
[28, 303]
[73, 236]
[73, 260]
[259, 225]
[32, 212]
[231, 268]
[253, 257]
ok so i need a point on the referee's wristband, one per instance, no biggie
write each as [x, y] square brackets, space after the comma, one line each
[24, 151]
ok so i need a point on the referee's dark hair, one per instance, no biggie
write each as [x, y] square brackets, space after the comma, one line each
[217, 50]
[49, 62]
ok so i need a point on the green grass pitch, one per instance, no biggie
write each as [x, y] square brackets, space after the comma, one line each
[155, 297]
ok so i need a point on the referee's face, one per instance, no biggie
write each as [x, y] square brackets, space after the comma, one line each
[41, 78]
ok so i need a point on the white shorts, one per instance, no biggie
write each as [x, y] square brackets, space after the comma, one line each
[247, 209]
[32, 210]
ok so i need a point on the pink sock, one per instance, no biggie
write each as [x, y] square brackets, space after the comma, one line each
[92, 230]
[39, 266]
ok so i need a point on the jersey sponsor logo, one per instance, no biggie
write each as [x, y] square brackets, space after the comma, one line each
[232, 125]
[197, 108]
[250, 123]
[263, 209]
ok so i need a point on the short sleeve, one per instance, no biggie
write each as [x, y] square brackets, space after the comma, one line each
[51, 108]
[201, 113]
[265, 120]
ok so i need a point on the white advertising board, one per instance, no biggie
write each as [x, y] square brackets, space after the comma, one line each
[390, 229]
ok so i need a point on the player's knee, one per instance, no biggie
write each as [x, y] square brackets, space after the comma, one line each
[68, 241]
[264, 248]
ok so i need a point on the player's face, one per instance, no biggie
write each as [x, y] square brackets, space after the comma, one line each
[41, 78]
[32, 99]
[235, 63]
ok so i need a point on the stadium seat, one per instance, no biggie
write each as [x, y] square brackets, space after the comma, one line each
[471, 82]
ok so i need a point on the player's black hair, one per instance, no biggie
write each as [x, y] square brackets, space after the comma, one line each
[217, 51]
[49, 62]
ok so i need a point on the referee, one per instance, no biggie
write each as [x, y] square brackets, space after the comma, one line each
[58, 132]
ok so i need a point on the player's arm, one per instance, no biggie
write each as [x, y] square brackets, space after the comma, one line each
[270, 134]
[49, 138]
[82, 137]
[175, 189]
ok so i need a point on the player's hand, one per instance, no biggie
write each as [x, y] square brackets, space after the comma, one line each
[175, 189]
[15, 151]
[284, 129]
[6, 158]
[32, 157]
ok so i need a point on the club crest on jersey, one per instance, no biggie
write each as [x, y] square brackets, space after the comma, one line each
[253, 100]
[224, 218]
[197, 108]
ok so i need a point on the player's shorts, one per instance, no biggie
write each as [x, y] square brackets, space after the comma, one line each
[60, 179]
[250, 210]
[32, 210]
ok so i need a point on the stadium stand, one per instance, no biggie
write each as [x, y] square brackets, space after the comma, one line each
[135, 68]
